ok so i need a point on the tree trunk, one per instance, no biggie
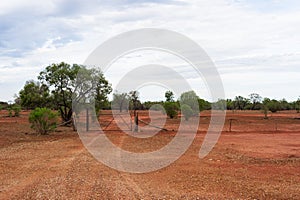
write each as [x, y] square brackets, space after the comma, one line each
[136, 122]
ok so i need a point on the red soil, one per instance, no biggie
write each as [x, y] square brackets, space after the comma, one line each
[258, 159]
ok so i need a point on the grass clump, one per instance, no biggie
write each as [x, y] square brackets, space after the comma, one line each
[43, 120]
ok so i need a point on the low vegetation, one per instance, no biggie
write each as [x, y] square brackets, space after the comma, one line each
[59, 83]
[171, 109]
[186, 111]
[43, 120]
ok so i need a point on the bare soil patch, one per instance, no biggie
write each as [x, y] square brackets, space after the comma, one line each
[258, 159]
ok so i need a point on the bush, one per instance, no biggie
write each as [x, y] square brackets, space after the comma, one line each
[204, 105]
[171, 109]
[16, 110]
[43, 120]
[265, 109]
[10, 112]
[186, 111]
[274, 106]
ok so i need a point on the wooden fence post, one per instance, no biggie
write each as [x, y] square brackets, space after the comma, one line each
[87, 120]
[136, 122]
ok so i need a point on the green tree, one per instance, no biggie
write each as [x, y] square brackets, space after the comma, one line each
[102, 89]
[255, 100]
[120, 101]
[265, 103]
[274, 106]
[169, 96]
[171, 109]
[240, 103]
[190, 98]
[135, 103]
[219, 105]
[61, 78]
[270, 105]
[186, 111]
[204, 105]
[89, 87]
[284, 105]
[34, 95]
[229, 104]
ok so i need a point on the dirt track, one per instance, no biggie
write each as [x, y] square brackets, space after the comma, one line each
[244, 164]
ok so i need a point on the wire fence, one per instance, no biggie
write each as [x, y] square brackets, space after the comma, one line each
[109, 121]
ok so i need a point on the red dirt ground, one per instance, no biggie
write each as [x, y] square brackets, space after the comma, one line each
[258, 159]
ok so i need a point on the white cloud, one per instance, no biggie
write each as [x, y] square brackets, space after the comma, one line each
[248, 39]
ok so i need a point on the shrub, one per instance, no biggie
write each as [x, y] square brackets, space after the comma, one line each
[16, 110]
[186, 111]
[274, 106]
[265, 109]
[10, 112]
[42, 120]
[171, 109]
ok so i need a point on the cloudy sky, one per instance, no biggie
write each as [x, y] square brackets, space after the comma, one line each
[254, 44]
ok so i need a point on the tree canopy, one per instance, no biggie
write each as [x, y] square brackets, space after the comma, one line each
[190, 98]
[34, 94]
[61, 81]
[169, 96]
[120, 101]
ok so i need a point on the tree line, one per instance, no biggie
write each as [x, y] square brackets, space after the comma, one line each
[58, 83]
